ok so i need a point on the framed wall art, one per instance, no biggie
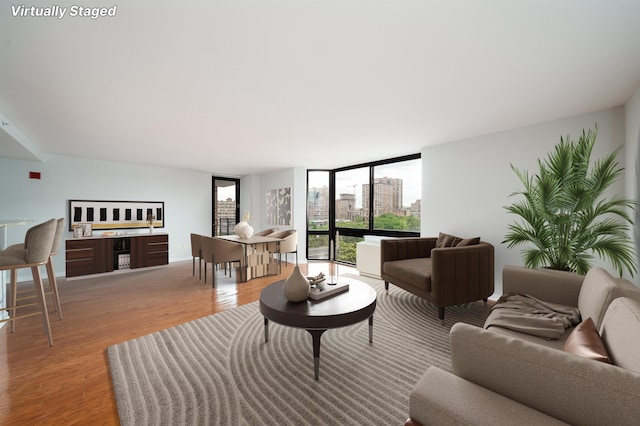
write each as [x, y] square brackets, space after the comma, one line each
[115, 214]
[87, 230]
[279, 206]
[77, 231]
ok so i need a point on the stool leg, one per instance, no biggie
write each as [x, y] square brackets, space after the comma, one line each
[51, 276]
[14, 299]
[37, 282]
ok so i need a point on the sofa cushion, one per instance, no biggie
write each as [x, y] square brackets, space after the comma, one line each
[598, 290]
[415, 271]
[552, 285]
[585, 341]
[446, 240]
[620, 332]
[528, 315]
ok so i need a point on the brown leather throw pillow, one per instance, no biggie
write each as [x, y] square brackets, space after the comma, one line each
[469, 242]
[585, 341]
[446, 240]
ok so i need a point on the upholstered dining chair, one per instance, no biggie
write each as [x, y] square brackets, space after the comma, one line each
[265, 232]
[218, 251]
[51, 289]
[289, 244]
[36, 252]
[196, 251]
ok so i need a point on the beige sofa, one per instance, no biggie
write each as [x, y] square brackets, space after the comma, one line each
[502, 377]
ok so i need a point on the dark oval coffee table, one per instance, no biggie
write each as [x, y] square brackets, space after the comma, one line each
[347, 308]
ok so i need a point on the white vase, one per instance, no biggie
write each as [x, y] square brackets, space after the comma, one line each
[296, 287]
[243, 230]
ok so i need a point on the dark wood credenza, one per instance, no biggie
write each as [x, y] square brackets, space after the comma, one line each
[96, 255]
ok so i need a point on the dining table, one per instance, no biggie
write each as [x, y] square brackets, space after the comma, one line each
[259, 259]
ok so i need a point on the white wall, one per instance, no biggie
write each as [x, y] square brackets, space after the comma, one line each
[466, 184]
[632, 158]
[186, 194]
[253, 199]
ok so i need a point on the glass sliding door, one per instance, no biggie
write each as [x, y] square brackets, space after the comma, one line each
[318, 214]
[351, 196]
[226, 205]
[352, 188]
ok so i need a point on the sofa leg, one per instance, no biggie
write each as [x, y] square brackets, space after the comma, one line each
[386, 286]
[441, 314]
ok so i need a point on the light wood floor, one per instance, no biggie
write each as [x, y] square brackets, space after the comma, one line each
[68, 383]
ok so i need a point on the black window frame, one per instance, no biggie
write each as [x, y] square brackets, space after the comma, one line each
[353, 232]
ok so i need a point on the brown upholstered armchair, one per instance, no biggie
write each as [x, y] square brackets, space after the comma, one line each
[444, 276]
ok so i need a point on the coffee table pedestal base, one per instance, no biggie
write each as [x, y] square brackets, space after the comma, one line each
[316, 334]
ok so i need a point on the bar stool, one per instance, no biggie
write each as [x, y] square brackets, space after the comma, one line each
[29, 294]
[51, 275]
[36, 252]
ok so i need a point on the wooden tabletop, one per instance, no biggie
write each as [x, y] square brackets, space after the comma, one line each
[349, 307]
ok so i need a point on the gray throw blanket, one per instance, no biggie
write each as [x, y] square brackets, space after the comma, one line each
[526, 314]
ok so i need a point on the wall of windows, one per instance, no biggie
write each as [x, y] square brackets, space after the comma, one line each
[343, 205]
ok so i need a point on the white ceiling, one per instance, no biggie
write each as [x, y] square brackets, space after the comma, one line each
[237, 87]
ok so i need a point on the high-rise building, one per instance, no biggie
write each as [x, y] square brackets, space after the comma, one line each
[416, 208]
[346, 208]
[226, 216]
[318, 206]
[387, 196]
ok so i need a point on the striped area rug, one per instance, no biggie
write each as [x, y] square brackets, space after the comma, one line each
[218, 370]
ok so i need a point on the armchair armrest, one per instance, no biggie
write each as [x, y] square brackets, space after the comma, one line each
[442, 398]
[570, 388]
[467, 271]
[405, 248]
[546, 284]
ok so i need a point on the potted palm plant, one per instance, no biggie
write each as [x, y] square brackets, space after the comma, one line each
[565, 218]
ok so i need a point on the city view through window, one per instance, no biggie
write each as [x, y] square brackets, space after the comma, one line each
[388, 194]
[225, 207]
